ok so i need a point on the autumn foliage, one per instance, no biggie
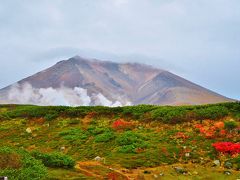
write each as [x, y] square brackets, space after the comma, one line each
[121, 124]
[181, 135]
[227, 147]
[211, 130]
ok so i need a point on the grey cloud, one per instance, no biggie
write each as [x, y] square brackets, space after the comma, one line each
[196, 39]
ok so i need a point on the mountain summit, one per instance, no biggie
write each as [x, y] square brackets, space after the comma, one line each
[81, 81]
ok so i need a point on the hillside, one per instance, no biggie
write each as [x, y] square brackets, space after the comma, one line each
[132, 142]
[80, 81]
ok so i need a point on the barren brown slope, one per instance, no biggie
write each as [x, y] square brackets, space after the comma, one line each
[105, 82]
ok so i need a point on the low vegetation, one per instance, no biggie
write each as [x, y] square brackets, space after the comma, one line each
[19, 164]
[55, 159]
[142, 141]
[165, 114]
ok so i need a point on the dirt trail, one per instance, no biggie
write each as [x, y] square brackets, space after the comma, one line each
[81, 166]
[100, 171]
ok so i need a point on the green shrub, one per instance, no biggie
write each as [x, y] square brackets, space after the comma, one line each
[73, 121]
[105, 137]
[128, 138]
[129, 142]
[170, 114]
[73, 134]
[211, 112]
[76, 112]
[50, 117]
[137, 111]
[19, 165]
[96, 130]
[237, 162]
[237, 116]
[230, 125]
[131, 148]
[27, 111]
[54, 159]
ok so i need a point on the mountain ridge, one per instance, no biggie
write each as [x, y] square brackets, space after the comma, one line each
[107, 83]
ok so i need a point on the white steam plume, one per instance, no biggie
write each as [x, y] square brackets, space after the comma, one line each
[26, 94]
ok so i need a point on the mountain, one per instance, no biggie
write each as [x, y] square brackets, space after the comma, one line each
[81, 81]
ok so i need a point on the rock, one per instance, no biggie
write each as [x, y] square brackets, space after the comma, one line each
[146, 172]
[29, 130]
[98, 158]
[161, 174]
[155, 176]
[216, 163]
[62, 148]
[202, 161]
[227, 172]
[228, 165]
[180, 170]
[194, 161]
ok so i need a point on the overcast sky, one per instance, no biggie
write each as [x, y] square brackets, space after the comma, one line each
[198, 40]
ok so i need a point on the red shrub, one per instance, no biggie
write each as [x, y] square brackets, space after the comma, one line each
[121, 125]
[209, 134]
[222, 132]
[198, 126]
[202, 130]
[227, 147]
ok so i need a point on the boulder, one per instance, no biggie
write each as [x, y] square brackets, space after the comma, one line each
[29, 130]
[216, 163]
[228, 165]
[62, 148]
[180, 170]
[97, 158]
[227, 172]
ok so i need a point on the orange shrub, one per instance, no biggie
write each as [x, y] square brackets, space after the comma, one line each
[219, 125]
[211, 130]
[181, 135]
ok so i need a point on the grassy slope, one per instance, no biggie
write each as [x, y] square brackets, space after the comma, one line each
[155, 140]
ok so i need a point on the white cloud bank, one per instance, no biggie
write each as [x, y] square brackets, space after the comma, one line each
[26, 94]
